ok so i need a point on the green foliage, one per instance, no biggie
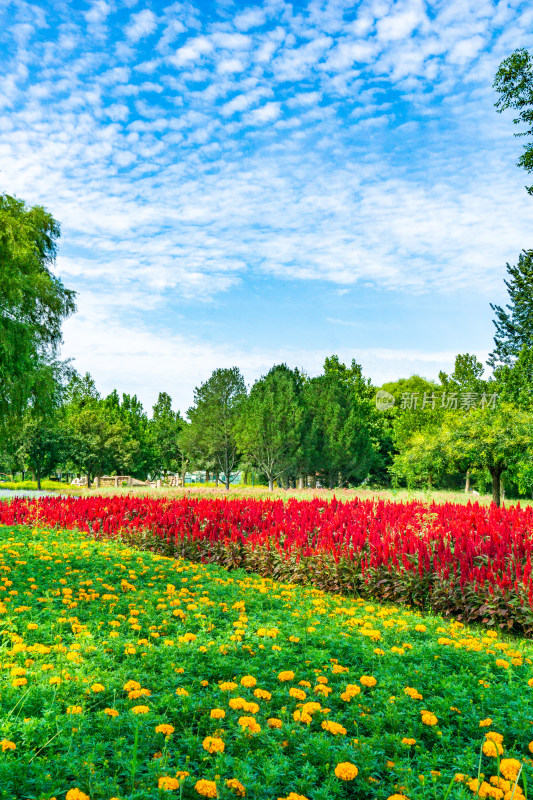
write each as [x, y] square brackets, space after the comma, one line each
[164, 431]
[33, 302]
[514, 84]
[64, 739]
[270, 425]
[213, 419]
[342, 414]
[514, 326]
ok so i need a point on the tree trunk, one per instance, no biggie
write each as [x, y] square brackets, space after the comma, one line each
[88, 480]
[38, 475]
[312, 482]
[207, 476]
[502, 491]
[228, 476]
[271, 484]
[301, 482]
[467, 482]
[496, 473]
[430, 483]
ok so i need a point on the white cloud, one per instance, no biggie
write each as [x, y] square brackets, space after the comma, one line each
[98, 12]
[191, 51]
[250, 18]
[267, 113]
[140, 25]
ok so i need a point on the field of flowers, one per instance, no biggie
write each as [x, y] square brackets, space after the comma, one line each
[129, 675]
[470, 561]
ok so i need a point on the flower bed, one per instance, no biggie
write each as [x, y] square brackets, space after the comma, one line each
[470, 561]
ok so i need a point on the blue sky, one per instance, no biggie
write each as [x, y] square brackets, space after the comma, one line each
[249, 184]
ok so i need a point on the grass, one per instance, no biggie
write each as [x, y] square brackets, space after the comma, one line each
[82, 619]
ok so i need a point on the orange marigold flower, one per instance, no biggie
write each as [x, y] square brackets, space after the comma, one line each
[97, 687]
[273, 722]
[249, 723]
[111, 712]
[262, 694]
[333, 727]
[131, 685]
[409, 742]
[367, 680]
[236, 786]
[74, 709]
[165, 782]
[298, 694]
[140, 710]
[166, 729]
[346, 771]
[248, 681]
[414, 694]
[76, 794]
[206, 788]
[509, 768]
[485, 723]
[287, 675]
[7, 745]
[213, 745]
[217, 713]
[428, 718]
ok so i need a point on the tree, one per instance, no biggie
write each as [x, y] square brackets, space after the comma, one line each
[514, 83]
[213, 416]
[269, 426]
[340, 403]
[496, 439]
[164, 431]
[514, 326]
[33, 302]
[40, 446]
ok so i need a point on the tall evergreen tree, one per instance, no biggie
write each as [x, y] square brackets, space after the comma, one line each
[514, 324]
[514, 84]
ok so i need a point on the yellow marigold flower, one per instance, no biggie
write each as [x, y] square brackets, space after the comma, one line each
[509, 768]
[165, 782]
[20, 681]
[204, 683]
[428, 718]
[227, 686]
[293, 796]
[140, 710]
[273, 722]
[217, 713]
[54, 681]
[206, 788]
[346, 771]
[420, 628]
[166, 729]
[485, 723]
[390, 764]
[76, 794]
[7, 745]
[262, 694]
[501, 783]
[530, 682]
[530, 747]
[397, 797]
[310, 708]
[321, 679]
[409, 742]
[97, 687]
[250, 708]
[130, 686]
[414, 694]
[237, 702]
[352, 690]
[181, 774]
[367, 680]
[287, 675]
[213, 745]
[333, 727]
[74, 709]
[236, 787]
[249, 681]
[321, 689]
[501, 662]
[111, 712]
[298, 694]
[249, 723]
[337, 669]
[301, 716]
[459, 777]
[181, 692]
